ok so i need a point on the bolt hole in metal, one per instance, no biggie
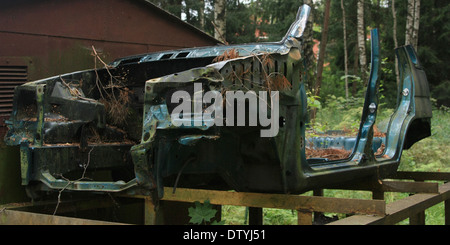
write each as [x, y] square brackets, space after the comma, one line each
[372, 107]
[282, 121]
[146, 136]
[405, 92]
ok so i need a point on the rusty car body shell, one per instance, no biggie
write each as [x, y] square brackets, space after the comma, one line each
[64, 132]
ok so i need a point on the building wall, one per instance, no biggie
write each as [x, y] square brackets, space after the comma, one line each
[57, 36]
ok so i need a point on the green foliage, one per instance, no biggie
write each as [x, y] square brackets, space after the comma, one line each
[441, 93]
[274, 216]
[434, 39]
[274, 17]
[241, 22]
[313, 101]
[203, 214]
[338, 113]
[431, 154]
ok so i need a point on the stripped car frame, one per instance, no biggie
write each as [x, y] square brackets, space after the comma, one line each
[70, 140]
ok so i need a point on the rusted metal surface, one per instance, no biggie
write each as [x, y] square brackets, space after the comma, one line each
[57, 44]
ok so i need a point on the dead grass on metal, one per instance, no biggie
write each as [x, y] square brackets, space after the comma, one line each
[227, 55]
[329, 153]
[272, 81]
[114, 95]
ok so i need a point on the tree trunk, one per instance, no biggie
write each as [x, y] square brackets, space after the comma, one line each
[308, 49]
[220, 20]
[415, 34]
[344, 27]
[412, 23]
[394, 34]
[201, 14]
[321, 58]
[322, 48]
[355, 71]
[409, 22]
[362, 40]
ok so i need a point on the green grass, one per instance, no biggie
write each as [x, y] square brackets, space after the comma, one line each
[430, 154]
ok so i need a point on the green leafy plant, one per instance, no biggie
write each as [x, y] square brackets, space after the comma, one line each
[203, 214]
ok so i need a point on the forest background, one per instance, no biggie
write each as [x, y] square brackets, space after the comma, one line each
[341, 34]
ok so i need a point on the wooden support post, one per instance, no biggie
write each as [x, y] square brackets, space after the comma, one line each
[447, 211]
[317, 193]
[378, 195]
[417, 219]
[304, 217]
[255, 216]
[149, 212]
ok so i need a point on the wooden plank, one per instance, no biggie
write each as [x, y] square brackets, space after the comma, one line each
[401, 209]
[13, 217]
[417, 219]
[395, 212]
[421, 176]
[390, 186]
[358, 220]
[281, 201]
[304, 217]
[412, 187]
[64, 206]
